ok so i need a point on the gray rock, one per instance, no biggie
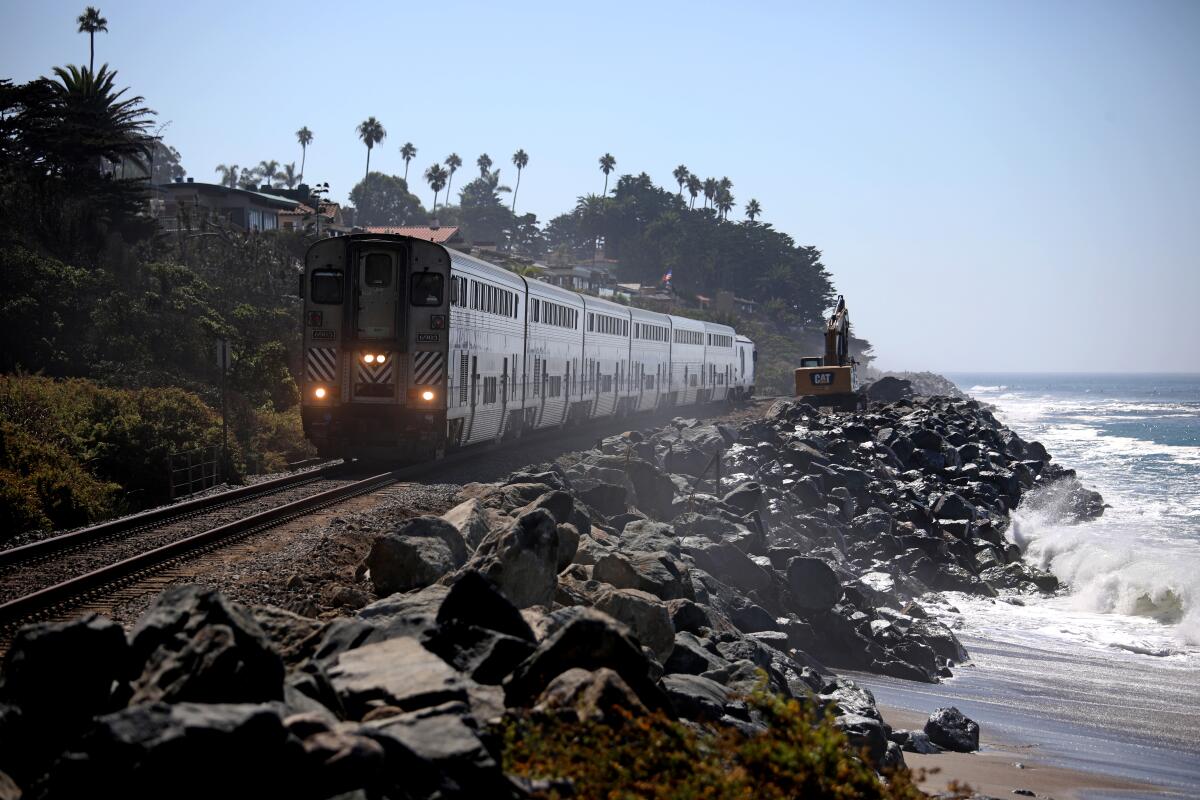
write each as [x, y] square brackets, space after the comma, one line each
[864, 732]
[695, 697]
[396, 672]
[645, 615]
[590, 640]
[949, 728]
[521, 560]
[727, 563]
[589, 694]
[473, 521]
[657, 573]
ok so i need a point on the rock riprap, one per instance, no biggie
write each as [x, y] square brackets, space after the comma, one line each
[671, 570]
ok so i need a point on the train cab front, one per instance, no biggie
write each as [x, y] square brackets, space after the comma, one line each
[376, 317]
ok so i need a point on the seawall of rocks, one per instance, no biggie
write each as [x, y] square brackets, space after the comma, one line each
[671, 570]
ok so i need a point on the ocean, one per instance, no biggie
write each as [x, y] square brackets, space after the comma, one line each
[1105, 675]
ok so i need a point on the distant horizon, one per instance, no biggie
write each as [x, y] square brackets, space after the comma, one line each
[1003, 182]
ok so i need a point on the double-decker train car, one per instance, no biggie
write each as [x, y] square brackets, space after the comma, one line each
[412, 349]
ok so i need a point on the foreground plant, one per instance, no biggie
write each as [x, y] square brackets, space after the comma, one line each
[800, 755]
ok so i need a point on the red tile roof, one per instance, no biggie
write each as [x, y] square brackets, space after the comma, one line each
[438, 235]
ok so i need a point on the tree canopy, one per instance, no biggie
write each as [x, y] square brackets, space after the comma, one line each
[385, 200]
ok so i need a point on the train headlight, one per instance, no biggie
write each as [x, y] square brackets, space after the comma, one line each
[379, 359]
[427, 396]
[319, 392]
[369, 358]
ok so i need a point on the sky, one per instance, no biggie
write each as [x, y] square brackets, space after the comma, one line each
[995, 186]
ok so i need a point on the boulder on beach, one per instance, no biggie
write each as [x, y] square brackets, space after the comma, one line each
[951, 729]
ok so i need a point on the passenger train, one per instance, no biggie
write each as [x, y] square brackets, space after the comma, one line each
[412, 349]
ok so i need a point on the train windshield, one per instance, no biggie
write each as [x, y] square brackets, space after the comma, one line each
[426, 289]
[327, 286]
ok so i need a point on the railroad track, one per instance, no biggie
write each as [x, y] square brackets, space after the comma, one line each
[53, 577]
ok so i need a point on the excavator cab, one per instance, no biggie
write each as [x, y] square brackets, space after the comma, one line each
[832, 379]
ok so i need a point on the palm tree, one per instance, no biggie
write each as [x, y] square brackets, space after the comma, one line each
[408, 152]
[288, 175]
[229, 174]
[753, 209]
[607, 163]
[436, 176]
[91, 23]
[520, 160]
[111, 127]
[694, 185]
[724, 198]
[453, 162]
[268, 171]
[710, 190]
[371, 131]
[681, 174]
[305, 137]
[484, 162]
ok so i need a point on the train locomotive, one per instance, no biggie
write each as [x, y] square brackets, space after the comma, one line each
[412, 349]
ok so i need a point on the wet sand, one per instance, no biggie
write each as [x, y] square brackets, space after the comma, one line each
[1001, 767]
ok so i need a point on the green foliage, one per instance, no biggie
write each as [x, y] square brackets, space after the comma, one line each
[800, 755]
[385, 200]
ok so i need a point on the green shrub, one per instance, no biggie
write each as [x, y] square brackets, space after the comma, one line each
[800, 756]
[276, 438]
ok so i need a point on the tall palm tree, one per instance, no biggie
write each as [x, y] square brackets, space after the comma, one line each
[710, 190]
[371, 132]
[305, 137]
[520, 160]
[268, 171]
[436, 176]
[484, 162]
[408, 152]
[753, 209]
[607, 164]
[694, 185]
[453, 162]
[681, 174]
[91, 23]
[288, 175]
[229, 174]
[724, 197]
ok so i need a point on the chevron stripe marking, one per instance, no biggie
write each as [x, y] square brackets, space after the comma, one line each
[322, 363]
[428, 367]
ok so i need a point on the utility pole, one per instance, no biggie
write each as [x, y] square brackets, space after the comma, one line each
[223, 361]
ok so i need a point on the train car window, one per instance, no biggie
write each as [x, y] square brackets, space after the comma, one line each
[327, 287]
[378, 271]
[427, 289]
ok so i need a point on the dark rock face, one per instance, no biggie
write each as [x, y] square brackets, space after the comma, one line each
[815, 587]
[948, 728]
[589, 694]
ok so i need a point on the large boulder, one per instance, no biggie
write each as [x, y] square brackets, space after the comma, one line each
[198, 646]
[589, 694]
[473, 521]
[949, 728]
[396, 672]
[185, 750]
[727, 563]
[655, 490]
[645, 615]
[522, 559]
[418, 553]
[696, 697]
[814, 584]
[589, 640]
[657, 573]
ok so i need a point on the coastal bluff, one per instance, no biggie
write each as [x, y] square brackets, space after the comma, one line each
[674, 571]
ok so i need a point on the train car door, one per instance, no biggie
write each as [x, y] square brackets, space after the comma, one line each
[378, 295]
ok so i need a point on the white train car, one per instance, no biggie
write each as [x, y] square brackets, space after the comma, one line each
[719, 361]
[747, 360]
[487, 351]
[650, 357]
[411, 349]
[605, 357]
[687, 361]
[554, 343]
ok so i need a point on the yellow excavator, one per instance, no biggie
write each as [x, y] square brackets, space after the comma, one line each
[831, 380]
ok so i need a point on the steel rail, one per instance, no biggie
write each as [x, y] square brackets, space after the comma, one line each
[30, 606]
[157, 517]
